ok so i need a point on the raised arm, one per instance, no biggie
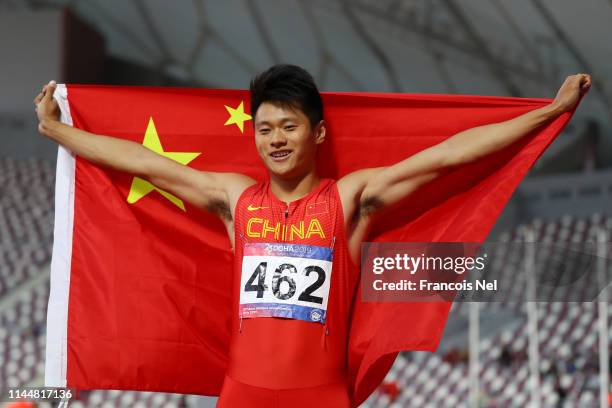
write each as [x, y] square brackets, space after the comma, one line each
[211, 191]
[375, 189]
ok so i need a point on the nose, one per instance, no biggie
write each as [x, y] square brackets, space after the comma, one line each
[278, 139]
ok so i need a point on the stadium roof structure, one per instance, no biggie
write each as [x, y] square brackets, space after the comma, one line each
[510, 48]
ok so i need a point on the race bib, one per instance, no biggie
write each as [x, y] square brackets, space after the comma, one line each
[285, 280]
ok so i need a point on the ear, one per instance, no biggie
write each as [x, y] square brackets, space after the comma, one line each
[319, 132]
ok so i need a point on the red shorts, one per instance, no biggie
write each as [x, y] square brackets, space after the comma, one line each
[235, 394]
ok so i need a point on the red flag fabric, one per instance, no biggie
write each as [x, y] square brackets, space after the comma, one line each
[140, 280]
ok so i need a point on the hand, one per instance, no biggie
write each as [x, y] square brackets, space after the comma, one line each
[46, 107]
[572, 90]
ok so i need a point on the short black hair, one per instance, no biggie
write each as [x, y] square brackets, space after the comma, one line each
[287, 85]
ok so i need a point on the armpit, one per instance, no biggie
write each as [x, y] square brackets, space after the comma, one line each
[368, 206]
[220, 208]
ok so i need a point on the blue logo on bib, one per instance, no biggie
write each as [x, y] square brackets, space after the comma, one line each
[315, 315]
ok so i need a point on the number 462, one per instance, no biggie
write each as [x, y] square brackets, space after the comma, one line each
[260, 287]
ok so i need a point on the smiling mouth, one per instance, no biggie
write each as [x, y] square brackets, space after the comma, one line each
[280, 155]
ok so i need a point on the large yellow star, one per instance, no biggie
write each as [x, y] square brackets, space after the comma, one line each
[140, 187]
[237, 116]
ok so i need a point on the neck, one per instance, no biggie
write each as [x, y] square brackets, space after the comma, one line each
[288, 190]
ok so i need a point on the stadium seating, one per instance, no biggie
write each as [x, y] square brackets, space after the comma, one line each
[26, 219]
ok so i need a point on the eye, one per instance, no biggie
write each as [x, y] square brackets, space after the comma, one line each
[290, 128]
[264, 131]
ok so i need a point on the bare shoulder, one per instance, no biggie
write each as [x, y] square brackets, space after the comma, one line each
[234, 185]
[233, 182]
[350, 190]
[353, 183]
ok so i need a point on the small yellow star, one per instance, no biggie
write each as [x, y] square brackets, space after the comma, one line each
[141, 187]
[237, 116]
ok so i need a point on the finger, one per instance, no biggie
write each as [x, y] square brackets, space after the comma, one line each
[578, 80]
[38, 98]
[585, 88]
[586, 85]
[49, 92]
[586, 80]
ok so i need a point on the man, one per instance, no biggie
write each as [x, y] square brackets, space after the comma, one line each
[296, 237]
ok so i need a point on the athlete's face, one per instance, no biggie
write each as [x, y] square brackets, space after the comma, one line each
[286, 141]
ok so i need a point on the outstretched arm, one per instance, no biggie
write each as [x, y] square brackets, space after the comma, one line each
[375, 189]
[215, 192]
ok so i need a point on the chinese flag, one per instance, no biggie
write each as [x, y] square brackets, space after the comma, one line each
[140, 281]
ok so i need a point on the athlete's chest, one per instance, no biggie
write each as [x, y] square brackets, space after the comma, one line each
[310, 221]
[287, 253]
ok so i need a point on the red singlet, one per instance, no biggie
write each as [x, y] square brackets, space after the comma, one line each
[297, 351]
